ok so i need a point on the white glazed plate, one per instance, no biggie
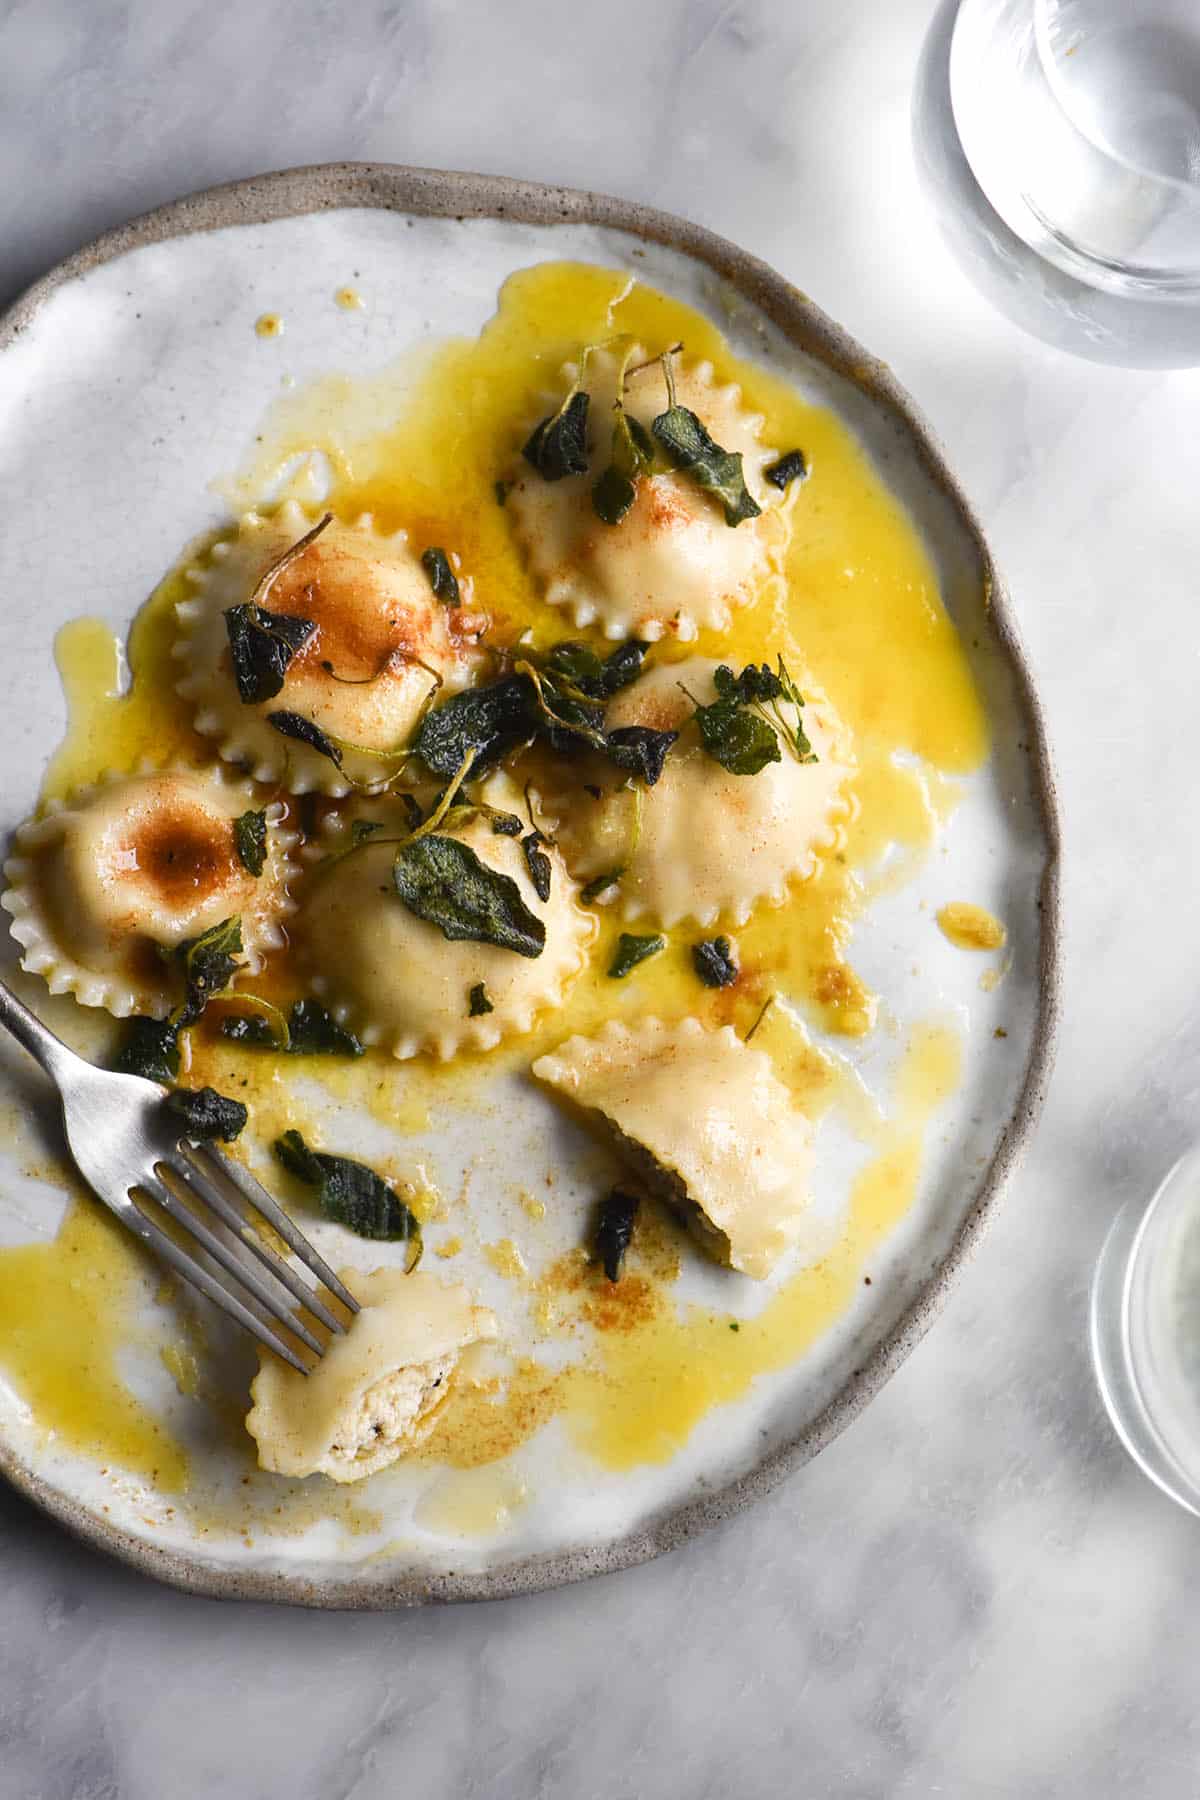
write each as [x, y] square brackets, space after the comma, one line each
[135, 371]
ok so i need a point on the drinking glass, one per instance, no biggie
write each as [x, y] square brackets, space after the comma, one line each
[1145, 1331]
[1061, 141]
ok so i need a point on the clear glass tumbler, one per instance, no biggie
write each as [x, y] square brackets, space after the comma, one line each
[1145, 1331]
[1061, 139]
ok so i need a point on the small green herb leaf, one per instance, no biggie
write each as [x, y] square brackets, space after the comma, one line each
[714, 962]
[294, 725]
[311, 1031]
[445, 883]
[631, 951]
[737, 738]
[600, 883]
[789, 468]
[250, 1030]
[506, 824]
[362, 829]
[209, 961]
[352, 1195]
[622, 667]
[614, 1230]
[558, 445]
[632, 454]
[640, 750]
[442, 578]
[150, 1048]
[262, 645]
[538, 864]
[250, 837]
[718, 472]
[478, 1002]
[489, 720]
[204, 1114]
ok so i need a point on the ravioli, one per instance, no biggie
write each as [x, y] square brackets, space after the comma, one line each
[377, 1391]
[102, 885]
[381, 646]
[702, 842]
[397, 980]
[672, 564]
[705, 1124]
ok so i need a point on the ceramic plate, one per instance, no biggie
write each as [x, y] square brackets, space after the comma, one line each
[131, 380]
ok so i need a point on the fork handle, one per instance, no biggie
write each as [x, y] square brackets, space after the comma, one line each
[29, 1031]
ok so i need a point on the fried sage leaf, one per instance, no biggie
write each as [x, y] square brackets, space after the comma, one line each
[538, 863]
[250, 840]
[443, 881]
[311, 1031]
[262, 646]
[714, 962]
[614, 1229]
[739, 739]
[478, 1002]
[442, 578]
[209, 962]
[150, 1047]
[204, 1114]
[601, 883]
[631, 951]
[489, 720]
[294, 725]
[640, 750]
[719, 472]
[353, 1195]
[789, 468]
[632, 455]
[558, 445]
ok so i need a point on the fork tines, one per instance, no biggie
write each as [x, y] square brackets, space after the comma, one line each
[199, 1178]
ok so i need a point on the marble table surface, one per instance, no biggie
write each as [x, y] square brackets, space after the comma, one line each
[972, 1593]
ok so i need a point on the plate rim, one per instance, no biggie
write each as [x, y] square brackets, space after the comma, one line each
[454, 194]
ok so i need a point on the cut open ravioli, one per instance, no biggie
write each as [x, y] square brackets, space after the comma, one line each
[704, 1124]
[377, 1391]
[397, 979]
[672, 563]
[381, 646]
[702, 842]
[104, 884]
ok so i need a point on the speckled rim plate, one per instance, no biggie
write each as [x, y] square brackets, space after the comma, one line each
[440, 194]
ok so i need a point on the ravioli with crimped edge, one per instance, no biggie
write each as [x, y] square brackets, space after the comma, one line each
[310, 650]
[394, 974]
[703, 842]
[704, 1124]
[672, 563]
[379, 1388]
[105, 885]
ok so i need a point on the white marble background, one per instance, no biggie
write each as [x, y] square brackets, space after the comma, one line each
[972, 1593]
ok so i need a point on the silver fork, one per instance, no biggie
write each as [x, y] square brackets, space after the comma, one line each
[127, 1142]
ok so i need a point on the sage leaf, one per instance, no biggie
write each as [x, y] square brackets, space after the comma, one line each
[443, 882]
[250, 839]
[478, 1002]
[714, 962]
[740, 740]
[205, 1114]
[362, 829]
[311, 1031]
[294, 725]
[262, 646]
[719, 472]
[789, 468]
[631, 951]
[558, 445]
[209, 962]
[632, 454]
[614, 1229]
[600, 883]
[538, 864]
[489, 720]
[150, 1048]
[640, 750]
[442, 578]
[353, 1195]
